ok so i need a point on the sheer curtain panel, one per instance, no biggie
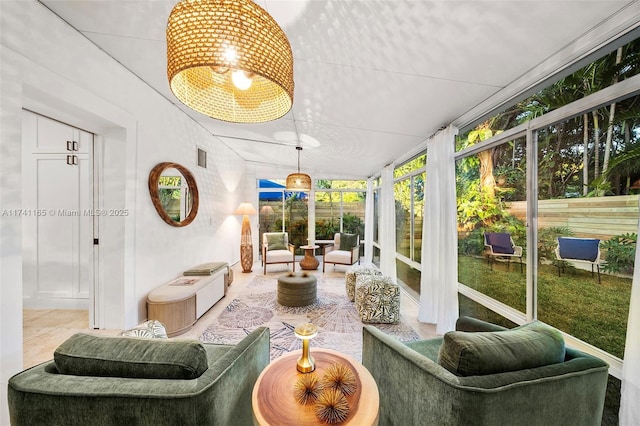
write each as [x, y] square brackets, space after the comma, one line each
[439, 278]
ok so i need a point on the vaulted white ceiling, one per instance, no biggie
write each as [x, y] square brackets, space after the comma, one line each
[373, 79]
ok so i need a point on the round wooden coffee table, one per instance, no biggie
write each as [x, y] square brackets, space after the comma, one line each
[274, 404]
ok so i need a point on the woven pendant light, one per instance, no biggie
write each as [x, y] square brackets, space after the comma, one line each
[298, 181]
[230, 60]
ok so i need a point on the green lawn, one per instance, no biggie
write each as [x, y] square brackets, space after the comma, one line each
[574, 303]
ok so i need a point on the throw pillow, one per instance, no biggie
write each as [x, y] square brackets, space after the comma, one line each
[152, 329]
[90, 355]
[479, 353]
[276, 242]
[348, 241]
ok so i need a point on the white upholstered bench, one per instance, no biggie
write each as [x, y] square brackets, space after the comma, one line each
[180, 302]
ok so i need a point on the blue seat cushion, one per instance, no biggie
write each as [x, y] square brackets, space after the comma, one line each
[579, 248]
[500, 242]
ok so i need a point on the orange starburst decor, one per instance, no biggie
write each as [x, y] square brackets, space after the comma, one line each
[332, 406]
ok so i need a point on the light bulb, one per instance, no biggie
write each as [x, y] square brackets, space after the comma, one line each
[230, 54]
[240, 80]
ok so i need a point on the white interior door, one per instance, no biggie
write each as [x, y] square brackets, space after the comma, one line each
[57, 214]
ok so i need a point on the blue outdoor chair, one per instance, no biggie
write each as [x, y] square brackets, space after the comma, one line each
[585, 250]
[500, 244]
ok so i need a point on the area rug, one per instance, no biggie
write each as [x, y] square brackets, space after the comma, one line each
[339, 326]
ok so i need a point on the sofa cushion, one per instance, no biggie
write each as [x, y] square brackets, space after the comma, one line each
[479, 353]
[348, 241]
[90, 355]
[338, 256]
[276, 242]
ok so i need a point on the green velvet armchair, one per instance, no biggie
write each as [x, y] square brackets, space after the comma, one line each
[98, 380]
[415, 389]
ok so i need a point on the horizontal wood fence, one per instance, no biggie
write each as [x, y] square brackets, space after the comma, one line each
[597, 217]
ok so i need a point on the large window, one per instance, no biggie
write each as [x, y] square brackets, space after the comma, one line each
[408, 191]
[488, 183]
[573, 173]
[281, 210]
[581, 197]
[340, 207]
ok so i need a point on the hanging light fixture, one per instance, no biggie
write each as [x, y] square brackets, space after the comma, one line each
[298, 181]
[230, 60]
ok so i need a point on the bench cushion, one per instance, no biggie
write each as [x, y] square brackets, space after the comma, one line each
[208, 268]
[105, 356]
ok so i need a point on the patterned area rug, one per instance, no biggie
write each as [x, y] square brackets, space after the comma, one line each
[339, 326]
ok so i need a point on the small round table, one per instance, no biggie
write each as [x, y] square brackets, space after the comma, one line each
[274, 404]
[309, 261]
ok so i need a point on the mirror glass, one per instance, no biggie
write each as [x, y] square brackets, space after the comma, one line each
[174, 193]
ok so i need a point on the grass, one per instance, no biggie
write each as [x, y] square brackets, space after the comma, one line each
[574, 302]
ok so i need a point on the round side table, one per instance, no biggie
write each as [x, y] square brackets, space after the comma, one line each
[309, 261]
[274, 404]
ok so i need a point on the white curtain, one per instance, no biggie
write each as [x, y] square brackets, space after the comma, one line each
[629, 414]
[439, 278]
[369, 222]
[387, 231]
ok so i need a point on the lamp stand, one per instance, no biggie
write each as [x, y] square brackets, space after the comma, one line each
[306, 363]
[246, 246]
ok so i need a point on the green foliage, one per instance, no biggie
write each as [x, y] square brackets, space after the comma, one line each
[620, 253]
[477, 207]
[352, 224]
[510, 182]
[326, 229]
[548, 241]
[472, 244]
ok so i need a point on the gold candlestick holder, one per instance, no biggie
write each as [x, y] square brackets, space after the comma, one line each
[306, 332]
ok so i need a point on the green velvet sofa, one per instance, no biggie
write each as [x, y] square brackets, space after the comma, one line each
[98, 380]
[415, 389]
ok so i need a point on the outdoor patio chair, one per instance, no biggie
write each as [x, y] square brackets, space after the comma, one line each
[582, 250]
[500, 244]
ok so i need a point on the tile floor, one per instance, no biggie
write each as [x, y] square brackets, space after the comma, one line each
[45, 329]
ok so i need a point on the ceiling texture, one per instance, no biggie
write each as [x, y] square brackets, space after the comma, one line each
[374, 79]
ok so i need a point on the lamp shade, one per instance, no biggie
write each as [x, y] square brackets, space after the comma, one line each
[298, 181]
[245, 208]
[230, 60]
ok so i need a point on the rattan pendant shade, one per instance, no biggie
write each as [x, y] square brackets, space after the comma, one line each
[210, 40]
[298, 181]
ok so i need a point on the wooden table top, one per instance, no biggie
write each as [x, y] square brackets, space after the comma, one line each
[274, 403]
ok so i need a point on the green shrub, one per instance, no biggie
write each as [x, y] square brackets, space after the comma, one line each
[620, 253]
[548, 241]
[352, 224]
[472, 244]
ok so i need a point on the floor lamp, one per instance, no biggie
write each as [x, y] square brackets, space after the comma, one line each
[246, 245]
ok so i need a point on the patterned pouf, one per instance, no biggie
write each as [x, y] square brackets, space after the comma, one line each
[378, 299]
[297, 289]
[352, 274]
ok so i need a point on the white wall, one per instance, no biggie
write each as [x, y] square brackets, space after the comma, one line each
[50, 68]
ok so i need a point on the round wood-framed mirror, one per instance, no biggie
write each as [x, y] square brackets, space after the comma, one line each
[174, 193]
